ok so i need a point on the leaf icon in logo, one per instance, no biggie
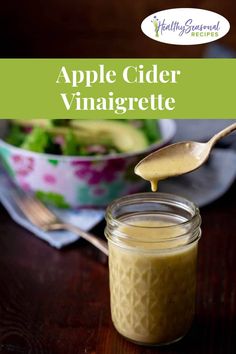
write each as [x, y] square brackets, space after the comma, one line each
[156, 26]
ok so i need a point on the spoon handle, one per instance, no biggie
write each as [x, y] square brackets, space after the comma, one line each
[222, 134]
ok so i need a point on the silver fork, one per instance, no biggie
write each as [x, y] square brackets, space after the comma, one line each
[44, 219]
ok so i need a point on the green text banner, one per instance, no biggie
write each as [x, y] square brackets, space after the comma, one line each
[117, 88]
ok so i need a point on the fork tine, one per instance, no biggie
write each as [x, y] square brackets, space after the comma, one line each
[38, 214]
[39, 206]
[33, 201]
[28, 212]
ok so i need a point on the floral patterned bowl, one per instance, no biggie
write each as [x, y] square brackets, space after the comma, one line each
[67, 181]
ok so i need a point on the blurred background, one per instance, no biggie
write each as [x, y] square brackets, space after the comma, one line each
[99, 28]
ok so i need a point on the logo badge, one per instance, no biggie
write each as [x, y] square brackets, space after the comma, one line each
[185, 26]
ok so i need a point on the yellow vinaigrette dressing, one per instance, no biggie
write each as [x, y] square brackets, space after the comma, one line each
[168, 162]
[152, 241]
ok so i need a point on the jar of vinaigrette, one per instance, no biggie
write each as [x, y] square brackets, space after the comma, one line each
[153, 241]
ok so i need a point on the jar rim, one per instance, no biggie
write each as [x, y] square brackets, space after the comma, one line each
[187, 232]
[153, 197]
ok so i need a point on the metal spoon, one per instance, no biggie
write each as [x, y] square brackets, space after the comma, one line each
[177, 159]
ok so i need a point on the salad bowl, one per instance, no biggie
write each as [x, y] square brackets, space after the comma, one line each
[77, 181]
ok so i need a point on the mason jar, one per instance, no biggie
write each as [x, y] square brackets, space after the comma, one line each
[153, 241]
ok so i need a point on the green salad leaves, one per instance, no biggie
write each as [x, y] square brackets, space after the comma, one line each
[72, 137]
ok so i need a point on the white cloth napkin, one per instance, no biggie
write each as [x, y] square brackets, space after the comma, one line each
[85, 219]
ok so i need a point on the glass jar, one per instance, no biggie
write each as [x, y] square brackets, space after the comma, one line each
[153, 240]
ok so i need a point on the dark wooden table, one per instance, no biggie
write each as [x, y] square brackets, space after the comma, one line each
[58, 301]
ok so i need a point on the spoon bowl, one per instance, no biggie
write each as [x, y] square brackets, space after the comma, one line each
[177, 159]
[181, 157]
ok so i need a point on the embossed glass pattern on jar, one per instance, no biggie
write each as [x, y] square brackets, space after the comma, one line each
[153, 239]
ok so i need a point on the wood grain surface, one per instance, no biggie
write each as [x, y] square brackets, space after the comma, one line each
[58, 301]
